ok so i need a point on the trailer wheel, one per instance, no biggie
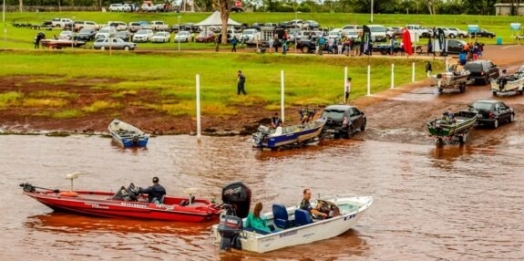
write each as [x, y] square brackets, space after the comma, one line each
[494, 93]
[462, 88]
[440, 90]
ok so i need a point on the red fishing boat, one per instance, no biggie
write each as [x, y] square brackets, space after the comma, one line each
[125, 203]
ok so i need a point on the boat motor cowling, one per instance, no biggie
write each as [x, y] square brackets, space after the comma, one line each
[238, 196]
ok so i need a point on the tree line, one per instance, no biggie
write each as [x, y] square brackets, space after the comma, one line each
[480, 7]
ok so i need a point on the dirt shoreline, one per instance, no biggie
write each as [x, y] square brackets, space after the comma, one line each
[21, 120]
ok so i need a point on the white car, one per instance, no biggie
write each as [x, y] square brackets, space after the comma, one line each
[249, 35]
[455, 32]
[105, 32]
[66, 35]
[116, 8]
[183, 36]
[161, 37]
[143, 35]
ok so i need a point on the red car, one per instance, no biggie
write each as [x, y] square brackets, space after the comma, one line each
[205, 37]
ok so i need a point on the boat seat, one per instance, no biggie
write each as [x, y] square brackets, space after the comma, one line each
[302, 217]
[256, 230]
[281, 218]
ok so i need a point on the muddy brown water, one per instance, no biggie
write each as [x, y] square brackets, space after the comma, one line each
[431, 203]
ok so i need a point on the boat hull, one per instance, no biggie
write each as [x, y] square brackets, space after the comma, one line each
[440, 128]
[127, 135]
[290, 136]
[319, 230]
[100, 204]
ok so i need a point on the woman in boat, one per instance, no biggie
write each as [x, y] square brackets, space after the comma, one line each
[254, 220]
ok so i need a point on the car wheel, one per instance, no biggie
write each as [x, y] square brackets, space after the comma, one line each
[451, 36]
[126, 48]
[511, 118]
[494, 93]
[349, 132]
[363, 127]
[305, 49]
[491, 36]
[102, 48]
[496, 123]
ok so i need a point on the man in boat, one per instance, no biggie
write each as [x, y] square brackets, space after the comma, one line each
[155, 193]
[306, 205]
[276, 121]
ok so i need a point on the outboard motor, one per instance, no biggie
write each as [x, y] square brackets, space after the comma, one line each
[237, 198]
[262, 132]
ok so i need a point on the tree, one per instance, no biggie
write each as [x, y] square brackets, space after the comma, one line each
[224, 6]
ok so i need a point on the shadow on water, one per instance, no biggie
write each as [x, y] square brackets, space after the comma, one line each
[71, 223]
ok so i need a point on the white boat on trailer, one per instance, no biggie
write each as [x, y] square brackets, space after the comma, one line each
[293, 226]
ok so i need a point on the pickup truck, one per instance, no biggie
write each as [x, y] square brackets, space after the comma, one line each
[159, 26]
[62, 23]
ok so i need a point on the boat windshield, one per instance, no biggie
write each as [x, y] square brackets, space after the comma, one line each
[334, 114]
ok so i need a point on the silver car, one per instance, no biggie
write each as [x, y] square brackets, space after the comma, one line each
[113, 43]
[184, 36]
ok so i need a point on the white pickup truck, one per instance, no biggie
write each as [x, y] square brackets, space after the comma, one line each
[421, 31]
[61, 22]
[159, 26]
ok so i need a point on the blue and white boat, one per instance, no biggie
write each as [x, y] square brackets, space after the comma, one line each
[127, 135]
[294, 135]
[290, 225]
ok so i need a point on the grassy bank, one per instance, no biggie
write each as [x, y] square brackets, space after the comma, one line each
[171, 77]
[22, 37]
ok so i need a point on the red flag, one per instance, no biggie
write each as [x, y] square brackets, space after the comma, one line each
[406, 41]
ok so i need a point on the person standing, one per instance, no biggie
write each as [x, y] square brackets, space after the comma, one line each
[217, 42]
[241, 83]
[428, 68]
[347, 90]
[234, 42]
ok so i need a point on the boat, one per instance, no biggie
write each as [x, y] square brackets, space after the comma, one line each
[451, 81]
[292, 225]
[61, 43]
[124, 203]
[443, 128]
[127, 135]
[294, 135]
[510, 83]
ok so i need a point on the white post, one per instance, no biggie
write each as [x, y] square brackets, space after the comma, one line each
[282, 96]
[345, 83]
[3, 21]
[179, 32]
[392, 75]
[446, 63]
[413, 73]
[199, 127]
[369, 80]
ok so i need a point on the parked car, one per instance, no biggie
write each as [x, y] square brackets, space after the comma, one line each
[118, 25]
[310, 24]
[161, 37]
[86, 34]
[66, 35]
[343, 120]
[492, 112]
[484, 33]
[116, 8]
[143, 35]
[335, 34]
[249, 35]
[183, 36]
[79, 25]
[64, 23]
[454, 46]
[378, 32]
[205, 37]
[482, 70]
[455, 32]
[124, 35]
[113, 43]
[159, 26]
[421, 31]
[105, 32]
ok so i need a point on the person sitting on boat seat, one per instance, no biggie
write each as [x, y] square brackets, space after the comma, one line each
[155, 193]
[276, 121]
[448, 117]
[306, 205]
[304, 114]
[257, 222]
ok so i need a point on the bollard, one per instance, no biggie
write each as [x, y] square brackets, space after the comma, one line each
[392, 76]
[413, 73]
[369, 80]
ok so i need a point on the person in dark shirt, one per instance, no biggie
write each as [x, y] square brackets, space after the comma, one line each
[306, 205]
[276, 121]
[155, 193]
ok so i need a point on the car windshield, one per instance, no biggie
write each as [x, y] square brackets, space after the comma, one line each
[334, 114]
[141, 32]
[85, 31]
[482, 106]
[377, 29]
[333, 33]
[183, 33]
[160, 34]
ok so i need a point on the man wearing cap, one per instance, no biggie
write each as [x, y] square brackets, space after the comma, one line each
[155, 193]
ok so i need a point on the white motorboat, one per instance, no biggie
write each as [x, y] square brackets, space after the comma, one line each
[293, 226]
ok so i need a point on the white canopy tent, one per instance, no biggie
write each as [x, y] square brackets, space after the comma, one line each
[215, 20]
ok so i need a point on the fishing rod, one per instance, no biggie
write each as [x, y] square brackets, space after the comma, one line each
[30, 188]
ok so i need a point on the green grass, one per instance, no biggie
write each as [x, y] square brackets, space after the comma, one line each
[23, 37]
[9, 98]
[170, 77]
[65, 114]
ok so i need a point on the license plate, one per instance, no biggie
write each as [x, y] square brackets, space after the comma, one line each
[331, 131]
[479, 115]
